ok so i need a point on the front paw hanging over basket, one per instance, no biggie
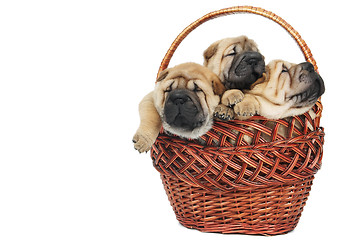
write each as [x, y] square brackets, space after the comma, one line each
[250, 177]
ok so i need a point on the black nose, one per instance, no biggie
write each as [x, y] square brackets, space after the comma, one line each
[245, 69]
[182, 109]
[307, 66]
[253, 60]
[178, 97]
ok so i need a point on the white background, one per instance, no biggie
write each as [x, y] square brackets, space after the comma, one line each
[72, 74]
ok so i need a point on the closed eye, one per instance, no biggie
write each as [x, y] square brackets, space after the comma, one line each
[284, 68]
[169, 88]
[231, 53]
[196, 88]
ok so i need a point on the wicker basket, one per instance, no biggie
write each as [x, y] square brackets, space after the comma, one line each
[250, 177]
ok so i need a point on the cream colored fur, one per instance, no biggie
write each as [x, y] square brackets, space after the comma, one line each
[218, 56]
[151, 108]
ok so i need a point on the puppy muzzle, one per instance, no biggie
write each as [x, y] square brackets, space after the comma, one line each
[245, 69]
[183, 110]
[313, 81]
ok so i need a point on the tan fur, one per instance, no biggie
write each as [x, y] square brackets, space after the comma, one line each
[216, 59]
[271, 96]
[150, 124]
[151, 108]
[215, 56]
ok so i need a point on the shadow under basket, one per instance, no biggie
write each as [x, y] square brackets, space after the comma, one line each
[250, 177]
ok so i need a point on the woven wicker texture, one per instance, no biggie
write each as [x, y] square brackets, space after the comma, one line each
[267, 211]
[249, 177]
[223, 161]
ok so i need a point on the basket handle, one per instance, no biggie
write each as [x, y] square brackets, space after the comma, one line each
[232, 10]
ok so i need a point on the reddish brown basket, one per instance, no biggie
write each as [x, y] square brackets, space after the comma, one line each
[251, 177]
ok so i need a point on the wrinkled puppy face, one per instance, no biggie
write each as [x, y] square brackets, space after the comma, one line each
[296, 85]
[236, 61]
[185, 97]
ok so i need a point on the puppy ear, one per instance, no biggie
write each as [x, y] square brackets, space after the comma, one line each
[163, 74]
[259, 80]
[209, 52]
[217, 85]
[249, 45]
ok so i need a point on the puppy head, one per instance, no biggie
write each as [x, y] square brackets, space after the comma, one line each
[185, 97]
[236, 61]
[297, 86]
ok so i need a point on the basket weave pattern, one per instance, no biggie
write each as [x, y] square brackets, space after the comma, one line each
[229, 186]
[251, 177]
[267, 211]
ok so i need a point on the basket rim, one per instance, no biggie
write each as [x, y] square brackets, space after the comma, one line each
[189, 143]
[211, 167]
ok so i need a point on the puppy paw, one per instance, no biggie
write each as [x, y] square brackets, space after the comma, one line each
[245, 110]
[232, 97]
[142, 143]
[223, 112]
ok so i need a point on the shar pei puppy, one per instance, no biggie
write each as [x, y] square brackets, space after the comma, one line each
[236, 61]
[285, 90]
[183, 102]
